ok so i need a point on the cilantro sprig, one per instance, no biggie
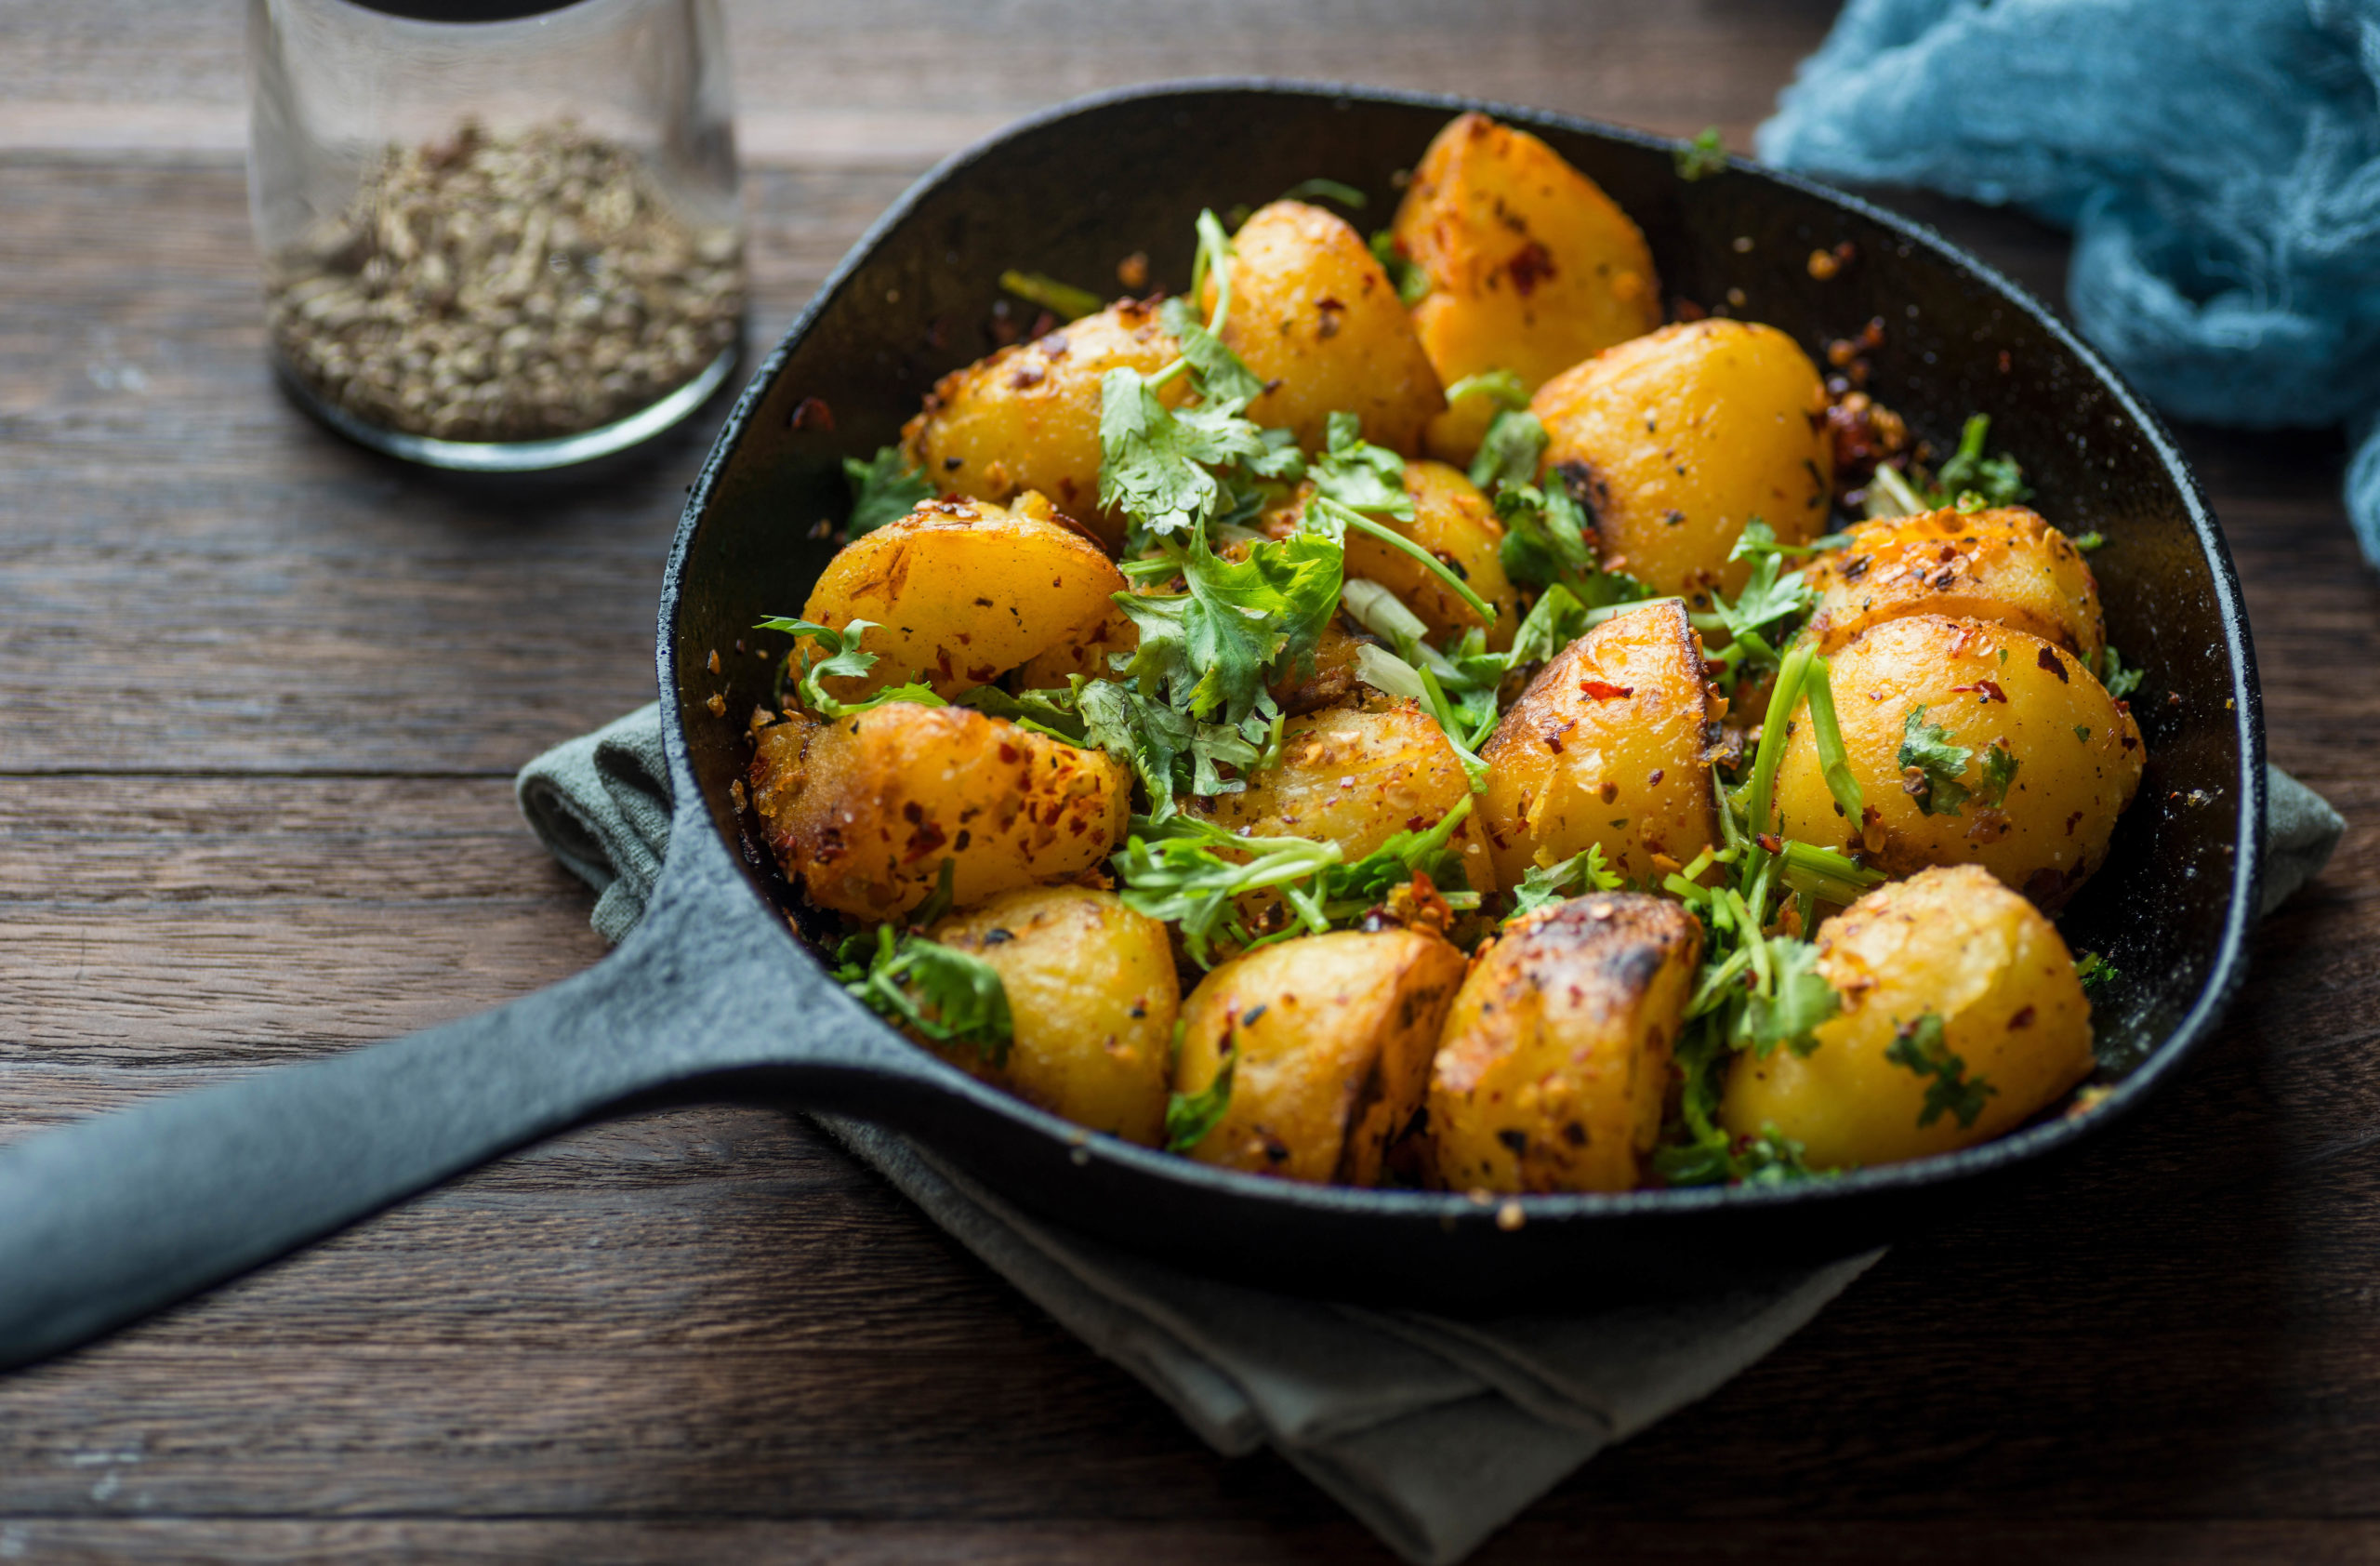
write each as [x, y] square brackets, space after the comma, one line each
[884, 488]
[1918, 1047]
[843, 660]
[938, 991]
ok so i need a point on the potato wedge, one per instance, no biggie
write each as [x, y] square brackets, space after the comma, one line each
[1532, 267]
[1312, 310]
[1957, 946]
[862, 812]
[1028, 418]
[2004, 565]
[1676, 440]
[2049, 760]
[1329, 1039]
[960, 592]
[1093, 994]
[1357, 779]
[1556, 1060]
[1607, 746]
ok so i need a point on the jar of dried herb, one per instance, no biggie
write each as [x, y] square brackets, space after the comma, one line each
[497, 235]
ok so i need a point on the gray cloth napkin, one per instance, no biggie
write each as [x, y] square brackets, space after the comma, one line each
[1434, 1431]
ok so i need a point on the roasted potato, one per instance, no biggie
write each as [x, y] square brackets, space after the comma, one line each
[1607, 746]
[1093, 995]
[862, 812]
[1555, 1061]
[1531, 267]
[1329, 1040]
[1972, 744]
[1316, 319]
[1357, 778]
[1952, 944]
[1087, 650]
[2005, 565]
[960, 592]
[1028, 418]
[1676, 440]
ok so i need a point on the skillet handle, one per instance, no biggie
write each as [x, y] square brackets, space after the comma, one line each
[106, 1220]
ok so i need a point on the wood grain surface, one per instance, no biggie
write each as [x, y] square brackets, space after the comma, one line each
[260, 698]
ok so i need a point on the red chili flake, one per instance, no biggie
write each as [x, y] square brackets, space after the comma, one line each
[2022, 1020]
[1530, 265]
[1989, 690]
[1772, 843]
[2050, 661]
[1602, 692]
[811, 413]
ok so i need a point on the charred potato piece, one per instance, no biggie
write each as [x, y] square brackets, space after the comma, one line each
[1315, 318]
[862, 811]
[960, 592]
[1607, 746]
[1676, 440]
[1531, 266]
[1972, 744]
[2005, 565]
[1329, 1040]
[1357, 779]
[1555, 1061]
[1952, 944]
[1093, 994]
[1028, 418]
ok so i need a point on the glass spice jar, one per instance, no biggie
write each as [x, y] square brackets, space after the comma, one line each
[496, 236]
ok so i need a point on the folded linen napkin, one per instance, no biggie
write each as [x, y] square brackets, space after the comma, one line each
[1434, 1431]
[2218, 161]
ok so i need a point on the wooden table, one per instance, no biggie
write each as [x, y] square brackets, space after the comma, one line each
[262, 696]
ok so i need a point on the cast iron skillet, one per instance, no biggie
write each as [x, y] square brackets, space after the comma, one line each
[714, 995]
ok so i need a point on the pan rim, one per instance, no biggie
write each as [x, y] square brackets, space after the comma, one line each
[2227, 969]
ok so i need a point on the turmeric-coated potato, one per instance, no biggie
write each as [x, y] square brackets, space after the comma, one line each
[2004, 565]
[1028, 418]
[1454, 523]
[1531, 267]
[1972, 744]
[862, 811]
[1312, 310]
[1092, 994]
[1607, 746]
[1329, 1040]
[1676, 440]
[1087, 650]
[960, 592]
[1556, 1060]
[1961, 1018]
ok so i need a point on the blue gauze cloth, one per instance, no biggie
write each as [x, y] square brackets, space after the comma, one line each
[2218, 160]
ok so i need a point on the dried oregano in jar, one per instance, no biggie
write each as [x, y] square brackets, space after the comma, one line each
[503, 287]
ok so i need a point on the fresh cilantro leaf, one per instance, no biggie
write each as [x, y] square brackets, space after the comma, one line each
[1799, 998]
[1510, 451]
[884, 489]
[1173, 752]
[1542, 884]
[1992, 481]
[1503, 385]
[843, 661]
[1918, 1047]
[1052, 713]
[1412, 284]
[1062, 300]
[2099, 975]
[1214, 647]
[2087, 542]
[1223, 376]
[1758, 539]
[1769, 596]
[1701, 157]
[1189, 1117]
[1157, 463]
[942, 992]
[1177, 871]
[1941, 764]
[1998, 770]
[2119, 681]
[1359, 475]
[1328, 190]
[1696, 1151]
[1347, 891]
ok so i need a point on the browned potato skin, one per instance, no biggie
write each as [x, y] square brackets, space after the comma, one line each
[1028, 418]
[1357, 778]
[1088, 651]
[1569, 768]
[1333, 1036]
[1676, 440]
[2053, 829]
[960, 592]
[2005, 565]
[1093, 994]
[1312, 310]
[1950, 941]
[864, 812]
[1532, 267]
[1555, 1059]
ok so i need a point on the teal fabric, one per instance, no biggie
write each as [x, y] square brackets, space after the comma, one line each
[2218, 160]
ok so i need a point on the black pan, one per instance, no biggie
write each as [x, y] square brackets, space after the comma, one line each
[716, 996]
